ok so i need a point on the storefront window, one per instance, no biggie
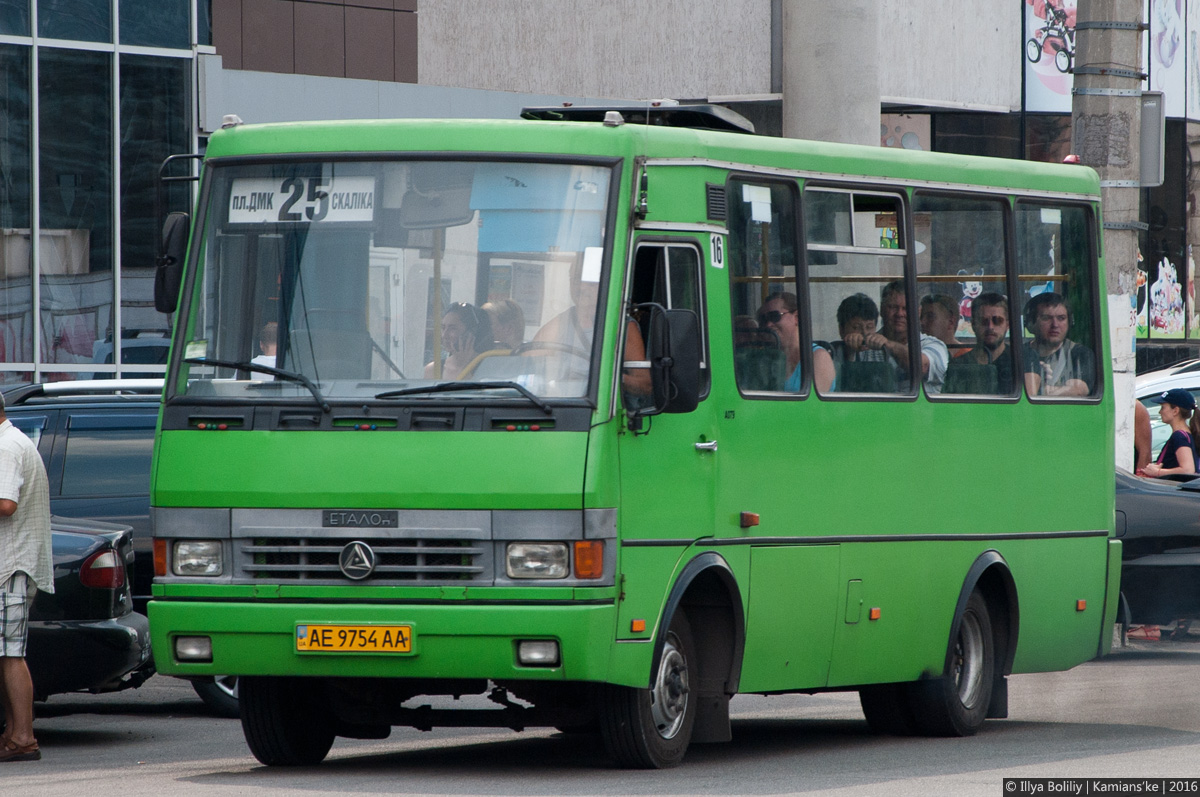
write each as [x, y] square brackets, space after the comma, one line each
[76, 182]
[14, 17]
[155, 23]
[16, 293]
[154, 124]
[80, 20]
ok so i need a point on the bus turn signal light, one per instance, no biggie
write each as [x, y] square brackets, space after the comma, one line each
[875, 613]
[160, 557]
[589, 559]
[1080, 605]
[749, 519]
[637, 626]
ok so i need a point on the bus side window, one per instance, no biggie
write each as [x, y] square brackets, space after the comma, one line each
[855, 250]
[962, 289]
[669, 274]
[770, 353]
[1056, 268]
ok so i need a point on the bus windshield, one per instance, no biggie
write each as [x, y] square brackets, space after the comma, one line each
[368, 279]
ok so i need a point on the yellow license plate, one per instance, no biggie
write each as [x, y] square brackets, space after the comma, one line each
[354, 638]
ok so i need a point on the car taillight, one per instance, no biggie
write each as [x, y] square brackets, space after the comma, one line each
[103, 570]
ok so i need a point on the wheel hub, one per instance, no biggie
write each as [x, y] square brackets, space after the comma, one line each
[669, 697]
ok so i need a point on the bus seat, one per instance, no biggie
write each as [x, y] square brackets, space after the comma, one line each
[330, 353]
[974, 378]
[867, 377]
[760, 368]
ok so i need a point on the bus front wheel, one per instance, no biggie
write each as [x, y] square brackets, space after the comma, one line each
[284, 723]
[651, 728]
[957, 703]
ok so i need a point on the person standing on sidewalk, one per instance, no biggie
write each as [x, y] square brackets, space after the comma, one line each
[25, 567]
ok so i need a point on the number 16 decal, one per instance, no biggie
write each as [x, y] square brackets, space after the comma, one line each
[716, 250]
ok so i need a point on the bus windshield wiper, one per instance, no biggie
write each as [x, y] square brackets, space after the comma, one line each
[449, 387]
[287, 376]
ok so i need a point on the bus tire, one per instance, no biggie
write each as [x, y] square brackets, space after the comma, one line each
[284, 725]
[651, 728]
[957, 703]
[888, 708]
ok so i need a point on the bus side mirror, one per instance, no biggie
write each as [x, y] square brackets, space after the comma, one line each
[673, 349]
[168, 273]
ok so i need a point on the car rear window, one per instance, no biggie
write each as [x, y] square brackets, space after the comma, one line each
[108, 455]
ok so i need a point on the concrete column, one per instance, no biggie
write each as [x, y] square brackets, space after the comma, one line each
[1106, 131]
[831, 70]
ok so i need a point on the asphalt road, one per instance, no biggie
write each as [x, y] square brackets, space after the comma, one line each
[1136, 713]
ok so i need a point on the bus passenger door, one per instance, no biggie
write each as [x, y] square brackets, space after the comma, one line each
[668, 467]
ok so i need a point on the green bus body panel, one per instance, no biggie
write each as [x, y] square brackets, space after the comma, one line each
[847, 497]
[367, 470]
[789, 617]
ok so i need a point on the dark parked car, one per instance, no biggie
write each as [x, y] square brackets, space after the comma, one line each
[86, 637]
[97, 438]
[1158, 523]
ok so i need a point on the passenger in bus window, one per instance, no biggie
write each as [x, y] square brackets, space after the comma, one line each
[892, 341]
[857, 317]
[1055, 365]
[1178, 456]
[939, 318]
[268, 342]
[466, 333]
[989, 320]
[508, 323]
[780, 313]
[570, 335]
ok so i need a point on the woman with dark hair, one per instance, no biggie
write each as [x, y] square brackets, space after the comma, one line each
[466, 333]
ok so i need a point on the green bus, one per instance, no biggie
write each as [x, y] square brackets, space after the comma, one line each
[612, 414]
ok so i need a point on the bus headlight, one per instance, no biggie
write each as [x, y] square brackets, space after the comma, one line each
[537, 560]
[197, 558]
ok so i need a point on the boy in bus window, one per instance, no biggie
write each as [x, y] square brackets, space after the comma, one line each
[1055, 365]
[780, 313]
[892, 341]
[989, 320]
[939, 317]
[857, 317]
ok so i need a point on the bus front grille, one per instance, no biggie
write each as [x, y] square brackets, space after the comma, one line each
[397, 561]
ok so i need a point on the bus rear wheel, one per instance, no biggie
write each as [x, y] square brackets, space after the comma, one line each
[651, 728]
[957, 703]
[284, 723]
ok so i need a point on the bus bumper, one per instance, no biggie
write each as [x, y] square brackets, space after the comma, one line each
[447, 641]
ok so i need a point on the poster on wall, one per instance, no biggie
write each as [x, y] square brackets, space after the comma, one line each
[904, 131]
[1049, 54]
[1167, 53]
[1166, 302]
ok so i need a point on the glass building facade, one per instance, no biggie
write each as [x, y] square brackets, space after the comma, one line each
[94, 94]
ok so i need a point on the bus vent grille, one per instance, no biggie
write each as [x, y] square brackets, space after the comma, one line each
[716, 201]
[398, 561]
